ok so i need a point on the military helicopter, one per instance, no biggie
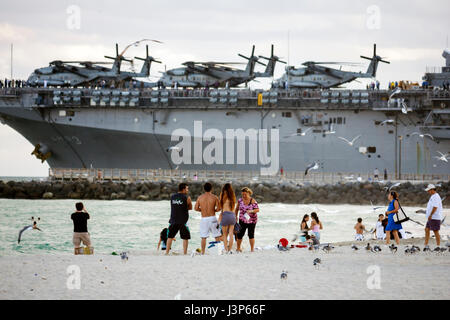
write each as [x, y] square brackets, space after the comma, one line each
[211, 73]
[317, 75]
[64, 73]
[270, 68]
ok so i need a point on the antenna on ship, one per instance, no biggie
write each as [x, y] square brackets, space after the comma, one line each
[11, 61]
[288, 50]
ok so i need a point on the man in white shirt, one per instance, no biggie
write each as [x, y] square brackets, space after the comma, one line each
[433, 215]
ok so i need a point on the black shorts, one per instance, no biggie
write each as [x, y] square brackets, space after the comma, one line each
[251, 230]
[185, 234]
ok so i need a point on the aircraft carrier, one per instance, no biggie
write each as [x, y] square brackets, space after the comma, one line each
[133, 128]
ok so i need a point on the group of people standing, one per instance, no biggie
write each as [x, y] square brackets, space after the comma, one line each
[237, 216]
[13, 83]
[387, 228]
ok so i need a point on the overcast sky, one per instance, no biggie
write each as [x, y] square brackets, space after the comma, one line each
[410, 34]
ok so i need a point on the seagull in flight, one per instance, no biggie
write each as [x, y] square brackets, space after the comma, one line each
[404, 106]
[394, 92]
[173, 148]
[387, 189]
[29, 227]
[301, 134]
[387, 121]
[375, 208]
[422, 135]
[443, 157]
[313, 166]
[350, 143]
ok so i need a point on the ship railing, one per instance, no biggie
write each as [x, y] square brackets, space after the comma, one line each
[143, 175]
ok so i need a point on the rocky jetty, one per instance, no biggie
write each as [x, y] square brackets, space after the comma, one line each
[360, 193]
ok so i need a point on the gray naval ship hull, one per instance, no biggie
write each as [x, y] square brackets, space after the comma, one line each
[89, 132]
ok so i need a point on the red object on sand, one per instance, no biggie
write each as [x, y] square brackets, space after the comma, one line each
[299, 246]
[283, 242]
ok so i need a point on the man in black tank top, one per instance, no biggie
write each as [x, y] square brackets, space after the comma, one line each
[180, 204]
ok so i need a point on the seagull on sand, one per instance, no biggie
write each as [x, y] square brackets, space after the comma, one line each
[393, 248]
[368, 247]
[439, 250]
[354, 247]
[443, 157]
[350, 143]
[313, 166]
[376, 248]
[283, 275]
[29, 227]
[447, 244]
[327, 248]
[301, 134]
[423, 135]
[317, 262]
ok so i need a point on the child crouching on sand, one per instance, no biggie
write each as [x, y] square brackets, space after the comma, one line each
[163, 239]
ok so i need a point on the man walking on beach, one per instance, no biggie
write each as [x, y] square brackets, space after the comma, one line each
[208, 205]
[180, 204]
[80, 231]
[433, 215]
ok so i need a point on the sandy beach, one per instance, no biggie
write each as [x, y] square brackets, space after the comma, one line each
[343, 274]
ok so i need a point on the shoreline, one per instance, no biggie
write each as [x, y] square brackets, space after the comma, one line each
[343, 274]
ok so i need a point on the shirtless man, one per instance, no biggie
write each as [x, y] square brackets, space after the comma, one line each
[360, 228]
[208, 205]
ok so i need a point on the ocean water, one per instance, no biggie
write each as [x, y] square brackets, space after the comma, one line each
[123, 225]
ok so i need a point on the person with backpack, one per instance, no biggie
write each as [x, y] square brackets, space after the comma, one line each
[392, 226]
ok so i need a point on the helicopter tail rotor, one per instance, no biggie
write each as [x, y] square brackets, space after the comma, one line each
[372, 69]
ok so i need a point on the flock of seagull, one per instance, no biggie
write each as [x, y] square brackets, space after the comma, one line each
[413, 249]
[315, 165]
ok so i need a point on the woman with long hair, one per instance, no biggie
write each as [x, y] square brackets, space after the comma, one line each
[316, 225]
[227, 217]
[304, 228]
[392, 226]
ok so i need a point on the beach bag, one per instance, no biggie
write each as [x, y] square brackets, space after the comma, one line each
[237, 228]
[400, 216]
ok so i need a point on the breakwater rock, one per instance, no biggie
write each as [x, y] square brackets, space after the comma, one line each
[360, 193]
